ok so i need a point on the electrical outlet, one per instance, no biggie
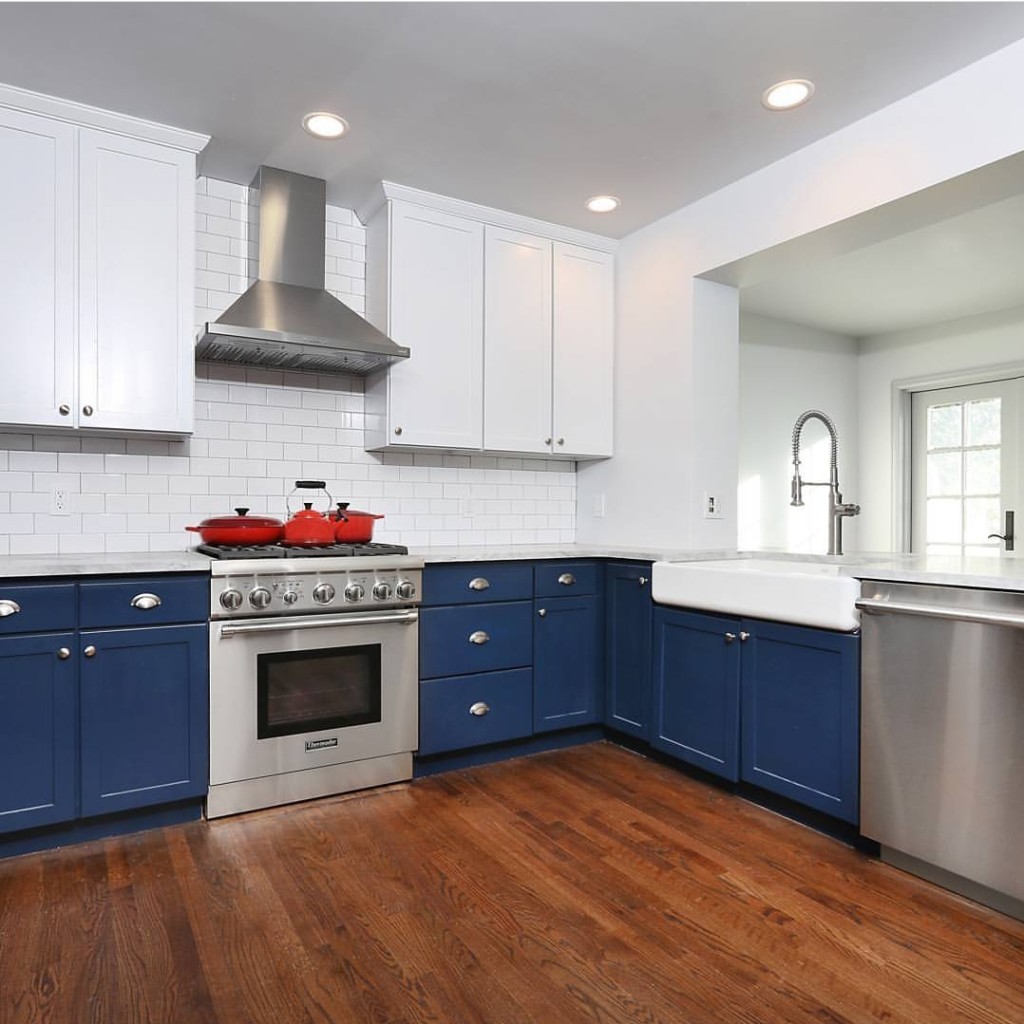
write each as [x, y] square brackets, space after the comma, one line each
[712, 506]
[59, 504]
[599, 504]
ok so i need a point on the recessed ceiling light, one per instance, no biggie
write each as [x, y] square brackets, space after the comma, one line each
[788, 94]
[322, 125]
[603, 204]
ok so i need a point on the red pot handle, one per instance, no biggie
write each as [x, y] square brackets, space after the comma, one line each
[193, 529]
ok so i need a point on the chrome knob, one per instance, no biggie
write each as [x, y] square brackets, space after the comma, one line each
[231, 599]
[323, 593]
[398, 431]
[290, 597]
[63, 653]
[542, 612]
[260, 597]
[87, 409]
[744, 636]
[561, 440]
[355, 592]
[405, 590]
[381, 591]
[642, 580]
[547, 440]
[90, 651]
[730, 637]
[64, 410]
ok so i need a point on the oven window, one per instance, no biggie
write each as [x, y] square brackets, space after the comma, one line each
[309, 691]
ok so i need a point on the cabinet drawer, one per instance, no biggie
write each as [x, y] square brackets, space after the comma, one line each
[492, 581]
[566, 579]
[180, 599]
[446, 722]
[37, 609]
[502, 638]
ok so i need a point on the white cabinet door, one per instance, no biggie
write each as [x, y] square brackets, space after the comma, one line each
[137, 218]
[436, 308]
[37, 268]
[583, 351]
[517, 342]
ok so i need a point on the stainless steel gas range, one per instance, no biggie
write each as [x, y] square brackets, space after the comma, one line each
[313, 672]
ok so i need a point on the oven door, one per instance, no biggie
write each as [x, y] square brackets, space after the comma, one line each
[289, 694]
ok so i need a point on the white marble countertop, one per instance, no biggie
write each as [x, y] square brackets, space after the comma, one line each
[526, 552]
[109, 564]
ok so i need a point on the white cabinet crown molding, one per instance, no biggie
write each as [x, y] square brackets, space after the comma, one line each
[82, 115]
[388, 191]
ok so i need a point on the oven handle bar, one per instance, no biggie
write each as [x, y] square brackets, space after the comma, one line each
[285, 625]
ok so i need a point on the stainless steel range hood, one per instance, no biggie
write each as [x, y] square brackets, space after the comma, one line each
[287, 319]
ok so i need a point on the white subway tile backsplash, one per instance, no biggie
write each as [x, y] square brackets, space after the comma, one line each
[257, 431]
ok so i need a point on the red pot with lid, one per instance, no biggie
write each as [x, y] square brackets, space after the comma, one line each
[308, 527]
[240, 528]
[352, 526]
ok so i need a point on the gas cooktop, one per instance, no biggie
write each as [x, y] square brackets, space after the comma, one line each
[247, 551]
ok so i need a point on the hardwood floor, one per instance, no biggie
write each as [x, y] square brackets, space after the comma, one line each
[584, 885]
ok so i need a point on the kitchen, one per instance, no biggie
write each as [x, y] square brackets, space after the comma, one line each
[257, 431]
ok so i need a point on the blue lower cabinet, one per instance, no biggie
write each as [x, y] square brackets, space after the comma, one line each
[800, 711]
[144, 717]
[464, 639]
[38, 730]
[568, 662]
[471, 711]
[628, 612]
[696, 692]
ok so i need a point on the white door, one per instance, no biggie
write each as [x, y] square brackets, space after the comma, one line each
[517, 342]
[584, 285]
[137, 232]
[436, 309]
[965, 465]
[37, 268]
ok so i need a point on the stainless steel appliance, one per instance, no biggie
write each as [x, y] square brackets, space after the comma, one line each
[942, 735]
[313, 672]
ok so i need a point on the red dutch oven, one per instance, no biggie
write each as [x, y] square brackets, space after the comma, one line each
[241, 528]
[352, 526]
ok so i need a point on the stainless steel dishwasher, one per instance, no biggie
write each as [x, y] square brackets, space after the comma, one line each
[942, 735]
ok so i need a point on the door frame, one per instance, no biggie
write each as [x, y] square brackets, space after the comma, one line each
[903, 391]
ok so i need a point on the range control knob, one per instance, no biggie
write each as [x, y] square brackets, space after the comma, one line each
[290, 597]
[260, 597]
[405, 590]
[381, 591]
[323, 593]
[231, 599]
[355, 592]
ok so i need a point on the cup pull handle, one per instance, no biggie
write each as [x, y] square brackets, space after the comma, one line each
[8, 607]
[479, 637]
[479, 708]
[144, 602]
[567, 579]
[479, 583]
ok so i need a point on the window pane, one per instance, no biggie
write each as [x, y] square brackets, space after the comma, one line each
[977, 551]
[982, 471]
[981, 517]
[983, 422]
[953, 550]
[943, 473]
[944, 521]
[944, 426]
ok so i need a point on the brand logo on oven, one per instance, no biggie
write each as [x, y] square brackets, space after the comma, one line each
[321, 744]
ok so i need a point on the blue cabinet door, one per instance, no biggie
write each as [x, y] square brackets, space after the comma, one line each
[144, 717]
[628, 613]
[568, 662]
[38, 730]
[801, 713]
[697, 689]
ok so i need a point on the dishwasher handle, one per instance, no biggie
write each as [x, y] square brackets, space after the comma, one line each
[875, 606]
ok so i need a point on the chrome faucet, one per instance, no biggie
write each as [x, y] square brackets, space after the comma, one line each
[837, 509]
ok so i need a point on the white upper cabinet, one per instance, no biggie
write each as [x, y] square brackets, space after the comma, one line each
[97, 255]
[583, 351]
[37, 267]
[517, 342]
[510, 326]
[433, 399]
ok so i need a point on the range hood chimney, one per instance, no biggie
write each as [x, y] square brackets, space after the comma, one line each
[287, 319]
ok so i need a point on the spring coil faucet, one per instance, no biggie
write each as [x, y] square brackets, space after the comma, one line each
[837, 509]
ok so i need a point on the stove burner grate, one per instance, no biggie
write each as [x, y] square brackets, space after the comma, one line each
[304, 551]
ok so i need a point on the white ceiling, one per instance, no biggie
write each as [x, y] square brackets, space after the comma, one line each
[967, 264]
[529, 107]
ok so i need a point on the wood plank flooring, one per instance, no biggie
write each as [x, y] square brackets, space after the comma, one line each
[583, 885]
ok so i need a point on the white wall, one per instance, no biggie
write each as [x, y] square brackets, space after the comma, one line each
[675, 427]
[785, 369]
[972, 343]
[256, 432]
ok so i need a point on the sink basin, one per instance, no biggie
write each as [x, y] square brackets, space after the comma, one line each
[807, 593]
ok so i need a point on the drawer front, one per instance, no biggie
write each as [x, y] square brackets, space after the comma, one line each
[566, 579]
[29, 608]
[502, 637]
[129, 601]
[476, 582]
[503, 702]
